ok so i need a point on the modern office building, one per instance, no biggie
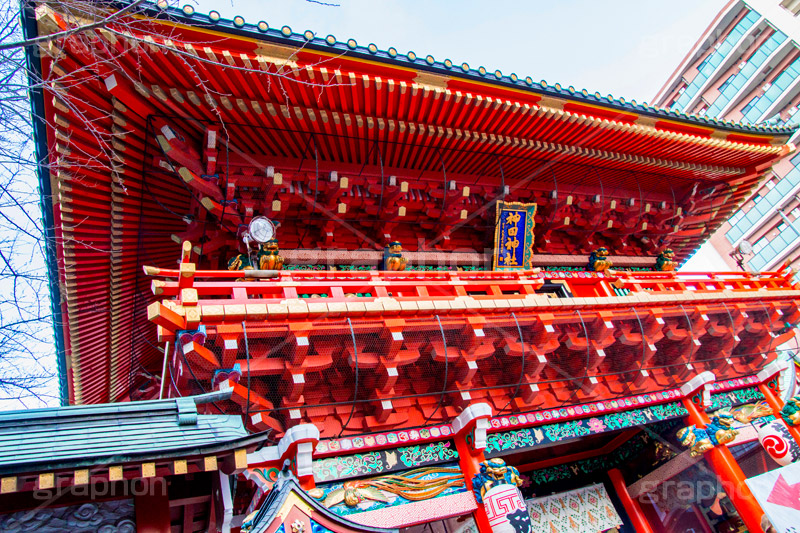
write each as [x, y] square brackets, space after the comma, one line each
[746, 68]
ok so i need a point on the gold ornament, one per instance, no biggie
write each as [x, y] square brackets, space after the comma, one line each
[395, 260]
[599, 261]
[268, 256]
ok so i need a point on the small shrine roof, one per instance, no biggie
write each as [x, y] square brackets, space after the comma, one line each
[64, 437]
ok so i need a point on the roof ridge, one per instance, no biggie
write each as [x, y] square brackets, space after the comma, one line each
[188, 15]
[61, 414]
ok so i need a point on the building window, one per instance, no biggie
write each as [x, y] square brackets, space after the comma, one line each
[770, 184]
[704, 62]
[781, 227]
[737, 216]
[751, 103]
[760, 245]
[792, 6]
[757, 198]
[726, 82]
[795, 213]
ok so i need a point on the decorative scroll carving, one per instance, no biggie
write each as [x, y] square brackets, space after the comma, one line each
[494, 472]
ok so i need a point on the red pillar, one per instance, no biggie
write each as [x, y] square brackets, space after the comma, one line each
[151, 506]
[728, 471]
[635, 513]
[776, 404]
[469, 459]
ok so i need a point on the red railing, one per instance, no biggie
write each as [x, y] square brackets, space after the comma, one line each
[336, 286]
[703, 281]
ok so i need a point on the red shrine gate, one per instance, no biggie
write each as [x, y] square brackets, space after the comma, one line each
[391, 396]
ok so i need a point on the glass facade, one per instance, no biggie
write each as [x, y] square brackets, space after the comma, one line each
[710, 64]
[775, 91]
[772, 249]
[765, 205]
[732, 91]
[734, 83]
[765, 251]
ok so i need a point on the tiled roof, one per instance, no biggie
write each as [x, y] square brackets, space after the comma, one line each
[308, 39]
[60, 437]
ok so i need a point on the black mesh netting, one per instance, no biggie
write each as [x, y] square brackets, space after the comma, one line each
[343, 372]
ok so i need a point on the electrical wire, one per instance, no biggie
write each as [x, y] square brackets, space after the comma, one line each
[247, 352]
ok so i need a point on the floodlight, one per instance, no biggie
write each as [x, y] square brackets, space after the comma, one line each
[261, 229]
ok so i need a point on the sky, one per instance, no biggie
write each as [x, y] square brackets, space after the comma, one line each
[625, 48]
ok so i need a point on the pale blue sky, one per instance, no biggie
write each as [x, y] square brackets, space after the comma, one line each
[623, 47]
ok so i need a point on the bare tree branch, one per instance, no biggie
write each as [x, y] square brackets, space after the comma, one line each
[72, 31]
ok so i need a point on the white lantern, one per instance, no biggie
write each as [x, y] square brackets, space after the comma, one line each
[778, 442]
[506, 509]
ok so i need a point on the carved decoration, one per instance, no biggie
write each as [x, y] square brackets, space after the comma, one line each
[791, 411]
[342, 467]
[494, 472]
[389, 490]
[570, 429]
[599, 261]
[394, 258]
[269, 257]
[718, 432]
[666, 260]
[115, 516]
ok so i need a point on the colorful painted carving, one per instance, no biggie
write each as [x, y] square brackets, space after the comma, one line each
[240, 262]
[192, 335]
[736, 397]
[719, 431]
[377, 462]
[353, 493]
[599, 261]
[494, 472]
[666, 260]
[233, 375]
[269, 257]
[696, 439]
[791, 411]
[413, 485]
[570, 429]
[621, 456]
[751, 411]
[394, 259]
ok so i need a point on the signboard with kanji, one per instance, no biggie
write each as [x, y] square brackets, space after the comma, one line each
[513, 237]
